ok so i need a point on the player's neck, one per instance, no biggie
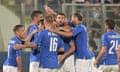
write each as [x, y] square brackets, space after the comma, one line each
[48, 27]
[34, 22]
[78, 22]
[18, 36]
[109, 30]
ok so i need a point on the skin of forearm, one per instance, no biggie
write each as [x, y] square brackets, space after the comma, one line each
[118, 54]
[100, 55]
[29, 38]
[66, 34]
[29, 45]
[71, 50]
[19, 63]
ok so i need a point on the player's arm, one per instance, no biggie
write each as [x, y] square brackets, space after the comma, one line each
[49, 10]
[31, 35]
[74, 32]
[19, 60]
[66, 34]
[26, 45]
[66, 28]
[61, 49]
[101, 53]
[118, 54]
[19, 63]
[103, 49]
[70, 51]
[60, 52]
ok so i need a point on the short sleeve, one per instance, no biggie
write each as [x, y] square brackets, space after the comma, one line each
[76, 30]
[31, 29]
[70, 23]
[18, 52]
[39, 37]
[71, 40]
[60, 43]
[104, 40]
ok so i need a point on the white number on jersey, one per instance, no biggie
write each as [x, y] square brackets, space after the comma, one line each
[53, 44]
[114, 45]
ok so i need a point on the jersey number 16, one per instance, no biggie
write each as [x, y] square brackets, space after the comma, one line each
[53, 44]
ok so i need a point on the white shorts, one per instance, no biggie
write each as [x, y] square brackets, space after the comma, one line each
[108, 68]
[85, 65]
[48, 70]
[34, 67]
[9, 68]
[69, 65]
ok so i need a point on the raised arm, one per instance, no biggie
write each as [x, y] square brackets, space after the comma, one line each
[49, 10]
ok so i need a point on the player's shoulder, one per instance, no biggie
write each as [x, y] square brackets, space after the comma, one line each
[13, 40]
[82, 26]
[33, 26]
[43, 32]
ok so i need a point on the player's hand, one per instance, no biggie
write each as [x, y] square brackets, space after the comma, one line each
[49, 10]
[60, 28]
[19, 70]
[17, 46]
[61, 57]
[95, 63]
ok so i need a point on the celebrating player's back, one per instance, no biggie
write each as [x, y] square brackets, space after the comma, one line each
[110, 42]
[50, 43]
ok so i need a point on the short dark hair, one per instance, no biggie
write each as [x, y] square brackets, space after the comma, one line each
[35, 13]
[78, 16]
[60, 14]
[17, 27]
[110, 23]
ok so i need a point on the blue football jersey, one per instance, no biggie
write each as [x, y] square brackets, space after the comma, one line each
[12, 54]
[67, 42]
[111, 40]
[49, 43]
[33, 57]
[31, 29]
[81, 42]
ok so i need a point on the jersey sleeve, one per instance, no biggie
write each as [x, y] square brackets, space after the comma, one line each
[71, 40]
[60, 43]
[76, 30]
[12, 43]
[39, 38]
[104, 40]
[18, 52]
[31, 29]
[70, 23]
